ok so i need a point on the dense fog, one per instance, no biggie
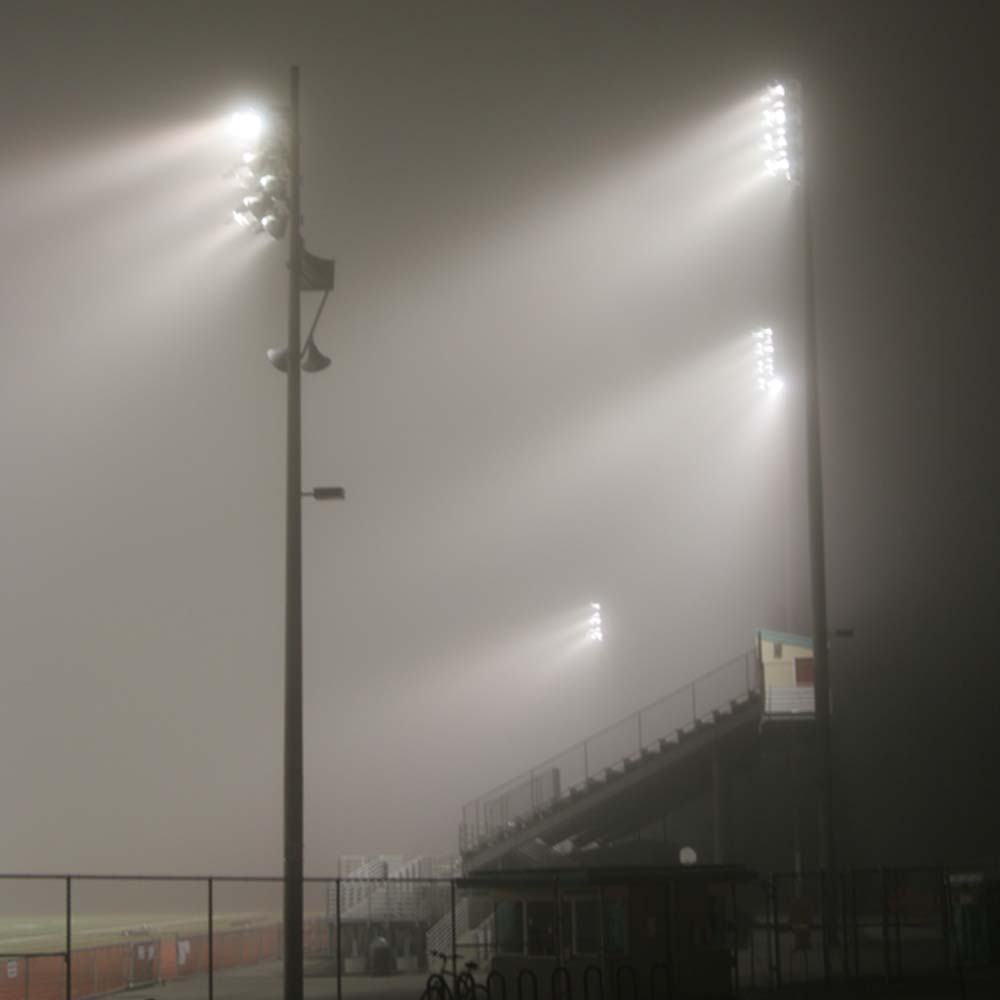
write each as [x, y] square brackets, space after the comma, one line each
[553, 239]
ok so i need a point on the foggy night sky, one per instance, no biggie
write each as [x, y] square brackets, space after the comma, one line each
[552, 241]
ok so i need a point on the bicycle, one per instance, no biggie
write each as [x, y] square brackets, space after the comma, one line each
[462, 987]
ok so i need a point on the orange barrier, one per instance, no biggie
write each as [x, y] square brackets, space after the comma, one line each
[116, 967]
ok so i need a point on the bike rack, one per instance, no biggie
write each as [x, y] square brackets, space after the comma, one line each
[560, 972]
[667, 986]
[593, 970]
[528, 974]
[633, 978]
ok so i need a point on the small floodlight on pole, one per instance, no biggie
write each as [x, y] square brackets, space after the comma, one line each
[784, 148]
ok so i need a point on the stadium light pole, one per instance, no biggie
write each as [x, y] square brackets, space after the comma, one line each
[274, 207]
[785, 148]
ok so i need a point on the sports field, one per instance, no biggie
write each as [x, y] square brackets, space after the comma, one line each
[32, 935]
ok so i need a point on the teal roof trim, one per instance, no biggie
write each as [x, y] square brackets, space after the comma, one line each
[770, 635]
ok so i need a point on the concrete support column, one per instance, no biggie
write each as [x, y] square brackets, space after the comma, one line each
[718, 809]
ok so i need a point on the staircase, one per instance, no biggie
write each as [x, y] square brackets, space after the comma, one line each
[389, 890]
[474, 943]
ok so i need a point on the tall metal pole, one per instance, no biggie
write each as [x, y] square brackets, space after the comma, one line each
[293, 825]
[211, 941]
[69, 939]
[817, 550]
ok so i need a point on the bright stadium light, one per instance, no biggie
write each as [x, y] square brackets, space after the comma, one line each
[595, 628]
[274, 225]
[245, 219]
[779, 118]
[246, 125]
[765, 377]
[264, 172]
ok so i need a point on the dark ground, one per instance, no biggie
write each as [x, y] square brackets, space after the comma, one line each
[264, 982]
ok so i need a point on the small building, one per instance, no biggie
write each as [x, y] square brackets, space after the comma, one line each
[786, 665]
[666, 928]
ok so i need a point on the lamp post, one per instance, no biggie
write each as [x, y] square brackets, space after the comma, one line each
[272, 172]
[293, 821]
[784, 145]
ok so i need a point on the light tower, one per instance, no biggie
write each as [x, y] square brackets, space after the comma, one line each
[784, 158]
[269, 174]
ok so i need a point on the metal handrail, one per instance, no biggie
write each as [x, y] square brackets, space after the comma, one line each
[625, 718]
[751, 684]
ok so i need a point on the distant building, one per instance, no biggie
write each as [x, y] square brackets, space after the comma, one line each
[627, 916]
[786, 663]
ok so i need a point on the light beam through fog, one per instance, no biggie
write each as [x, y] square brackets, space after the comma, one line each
[545, 408]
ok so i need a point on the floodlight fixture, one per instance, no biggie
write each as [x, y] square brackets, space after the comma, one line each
[272, 184]
[274, 225]
[245, 177]
[780, 120]
[595, 627]
[765, 378]
[246, 219]
[260, 203]
[264, 172]
[246, 125]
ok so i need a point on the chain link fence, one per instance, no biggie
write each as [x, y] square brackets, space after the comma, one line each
[77, 937]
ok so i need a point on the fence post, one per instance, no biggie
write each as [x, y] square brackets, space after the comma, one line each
[736, 940]
[211, 941]
[557, 904]
[885, 926]
[945, 929]
[827, 911]
[845, 939]
[69, 939]
[340, 966]
[777, 931]
[856, 929]
[454, 934]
